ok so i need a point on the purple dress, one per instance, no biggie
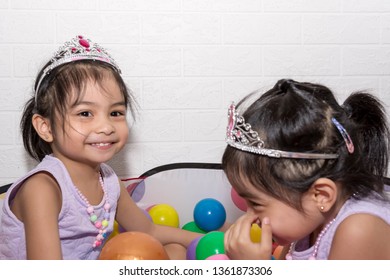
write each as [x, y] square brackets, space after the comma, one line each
[77, 233]
[370, 205]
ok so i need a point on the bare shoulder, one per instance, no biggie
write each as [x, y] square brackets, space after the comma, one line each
[40, 191]
[361, 236]
[37, 205]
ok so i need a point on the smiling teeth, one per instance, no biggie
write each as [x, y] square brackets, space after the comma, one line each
[101, 144]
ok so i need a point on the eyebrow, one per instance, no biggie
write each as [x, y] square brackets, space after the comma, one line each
[120, 103]
[244, 193]
[250, 196]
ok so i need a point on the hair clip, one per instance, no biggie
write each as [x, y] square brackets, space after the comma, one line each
[345, 135]
[78, 48]
[240, 135]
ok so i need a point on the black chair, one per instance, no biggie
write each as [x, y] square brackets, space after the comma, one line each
[4, 188]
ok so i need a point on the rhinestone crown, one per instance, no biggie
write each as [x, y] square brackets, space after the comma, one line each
[240, 135]
[78, 48]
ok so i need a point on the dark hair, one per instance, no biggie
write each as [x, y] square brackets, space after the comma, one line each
[294, 116]
[52, 98]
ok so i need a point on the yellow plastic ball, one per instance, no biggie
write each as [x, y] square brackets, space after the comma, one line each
[255, 233]
[115, 230]
[164, 214]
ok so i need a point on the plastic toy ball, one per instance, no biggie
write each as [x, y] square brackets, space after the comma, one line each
[115, 231]
[191, 249]
[238, 200]
[219, 257]
[191, 226]
[164, 214]
[210, 244]
[133, 246]
[209, 214]
[255, 233]
[274, 245]
[278, 251]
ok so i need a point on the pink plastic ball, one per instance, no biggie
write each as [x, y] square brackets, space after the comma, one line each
[218, 257]
[238, 200]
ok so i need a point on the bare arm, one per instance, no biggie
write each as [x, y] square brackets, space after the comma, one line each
[361, 237]
[132, 218]
[37, 204]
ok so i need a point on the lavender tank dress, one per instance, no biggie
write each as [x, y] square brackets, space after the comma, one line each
[77, 233]
[370, 205]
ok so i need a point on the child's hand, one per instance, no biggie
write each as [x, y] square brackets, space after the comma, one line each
[238, 243]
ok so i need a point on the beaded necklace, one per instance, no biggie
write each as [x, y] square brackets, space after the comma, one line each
[100, 225]
[316, 244]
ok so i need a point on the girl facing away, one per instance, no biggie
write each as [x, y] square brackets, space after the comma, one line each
[311, 172]
[76, 121]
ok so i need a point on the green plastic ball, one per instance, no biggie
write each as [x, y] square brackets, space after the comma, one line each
[210, 244]
[191, 226]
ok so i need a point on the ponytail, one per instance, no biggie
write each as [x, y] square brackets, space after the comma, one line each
[371, 134]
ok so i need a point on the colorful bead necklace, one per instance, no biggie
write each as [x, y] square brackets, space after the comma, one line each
[316, 244]
[100, 225]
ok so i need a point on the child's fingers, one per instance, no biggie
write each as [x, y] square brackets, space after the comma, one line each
[228, 237]
[266, 235]
[243, 225]
[238, 242]
[239, 232]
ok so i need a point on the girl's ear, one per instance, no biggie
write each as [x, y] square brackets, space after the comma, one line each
[42, 127]
[325, 193]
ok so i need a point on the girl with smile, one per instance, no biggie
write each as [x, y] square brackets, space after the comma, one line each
[74, 123]
[96, 124]
[311, 172]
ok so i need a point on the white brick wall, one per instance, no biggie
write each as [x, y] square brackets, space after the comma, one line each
[186, 60]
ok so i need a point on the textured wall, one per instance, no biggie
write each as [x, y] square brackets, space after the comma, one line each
[186, 60]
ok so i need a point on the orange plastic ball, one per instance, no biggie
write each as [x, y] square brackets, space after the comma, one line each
[277, 252]
[133, 245]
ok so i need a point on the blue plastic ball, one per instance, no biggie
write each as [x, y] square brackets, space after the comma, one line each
[209, 214]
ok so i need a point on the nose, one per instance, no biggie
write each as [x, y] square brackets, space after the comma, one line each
[105, 125]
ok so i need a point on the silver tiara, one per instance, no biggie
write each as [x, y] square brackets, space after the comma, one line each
[241, 136]
[78, 48]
